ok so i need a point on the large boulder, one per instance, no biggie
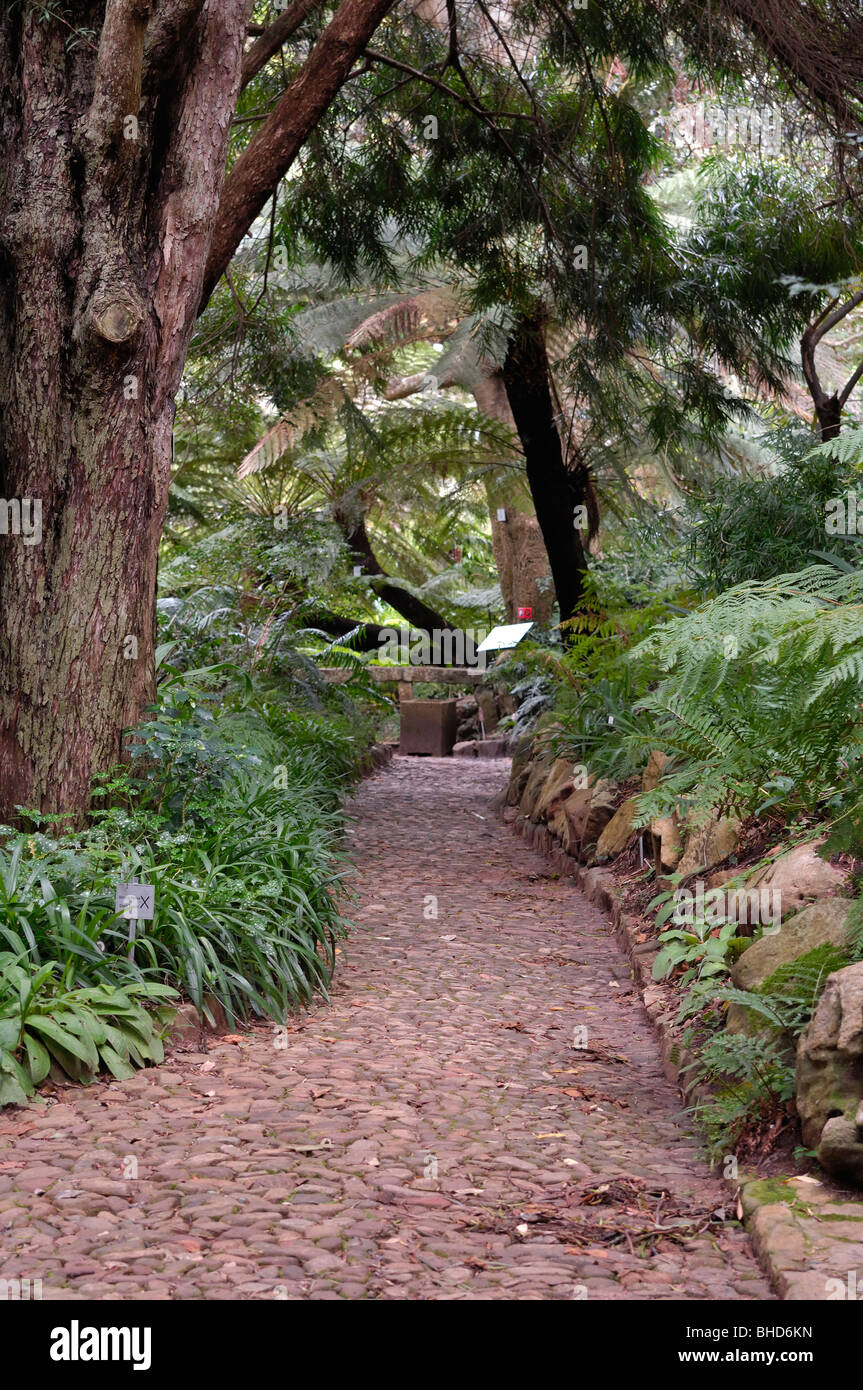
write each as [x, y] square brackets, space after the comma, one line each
[619, 831]
[830, 1075]
[519, 770]
[799, 877]
[533, 787]
[558, 786]
[652, 773]
[819, 925]
[707, 845]
[667, 843]
[581, 818]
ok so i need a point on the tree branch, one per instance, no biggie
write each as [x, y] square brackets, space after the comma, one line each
[274, 36]
[808, 343]
[849, 386]
[192, 177]
[417, 612]
[273, 150]
[824, 325]
[119, 65]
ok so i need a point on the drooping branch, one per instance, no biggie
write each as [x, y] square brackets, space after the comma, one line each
[817, 48]
[275, 36]
[418, 613]
[273, 150]
[368, 635]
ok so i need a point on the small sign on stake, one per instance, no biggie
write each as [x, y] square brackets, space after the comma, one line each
[136, 902]
[509, 635]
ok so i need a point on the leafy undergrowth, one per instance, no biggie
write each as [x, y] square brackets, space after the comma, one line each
[743, 1081]
[231, 809]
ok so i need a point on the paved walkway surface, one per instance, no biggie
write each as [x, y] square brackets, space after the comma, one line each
[479, 1113]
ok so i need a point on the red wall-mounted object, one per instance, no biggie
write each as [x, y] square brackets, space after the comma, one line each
[525, 615]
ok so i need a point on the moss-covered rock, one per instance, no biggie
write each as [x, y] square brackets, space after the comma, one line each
[821, 924]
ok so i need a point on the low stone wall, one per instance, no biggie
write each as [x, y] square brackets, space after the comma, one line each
[806, 1231]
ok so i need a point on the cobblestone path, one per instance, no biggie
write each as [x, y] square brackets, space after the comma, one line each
[432, 1133]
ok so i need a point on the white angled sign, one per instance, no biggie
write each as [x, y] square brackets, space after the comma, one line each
[501, 637]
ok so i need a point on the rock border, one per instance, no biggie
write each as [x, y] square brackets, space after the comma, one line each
[788, 1237]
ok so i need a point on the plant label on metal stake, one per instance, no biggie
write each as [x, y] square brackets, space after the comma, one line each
[136, 902]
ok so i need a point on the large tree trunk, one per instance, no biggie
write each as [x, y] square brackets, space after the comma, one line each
[519, 551]
[558, 491]
[109, 195]
[112, 163]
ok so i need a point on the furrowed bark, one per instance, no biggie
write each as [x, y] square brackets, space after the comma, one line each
[103, 242]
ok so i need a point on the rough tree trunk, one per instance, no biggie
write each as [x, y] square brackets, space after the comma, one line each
[557, 490]
[114, 227]
[113, 160]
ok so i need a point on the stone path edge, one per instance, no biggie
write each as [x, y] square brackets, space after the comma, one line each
[784, 1233]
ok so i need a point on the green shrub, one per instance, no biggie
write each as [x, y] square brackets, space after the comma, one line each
[44, 1024]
